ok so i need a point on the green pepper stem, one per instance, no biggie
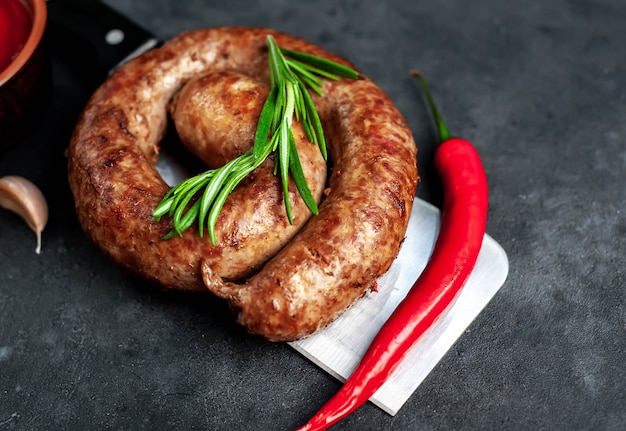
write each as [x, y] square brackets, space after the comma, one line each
[444, 133]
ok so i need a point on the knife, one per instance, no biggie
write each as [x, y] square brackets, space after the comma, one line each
[93, 38]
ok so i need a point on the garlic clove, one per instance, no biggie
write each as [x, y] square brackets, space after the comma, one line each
[21, 196]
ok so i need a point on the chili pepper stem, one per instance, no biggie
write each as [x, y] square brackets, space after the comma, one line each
[444, 133]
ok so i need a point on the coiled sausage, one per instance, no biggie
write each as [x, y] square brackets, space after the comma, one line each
[333, 259]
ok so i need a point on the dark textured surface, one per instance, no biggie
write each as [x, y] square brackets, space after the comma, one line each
[538, 86]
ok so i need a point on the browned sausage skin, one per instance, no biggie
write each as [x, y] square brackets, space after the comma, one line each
[330, 263]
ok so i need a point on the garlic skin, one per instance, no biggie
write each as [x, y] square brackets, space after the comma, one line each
[21, 196]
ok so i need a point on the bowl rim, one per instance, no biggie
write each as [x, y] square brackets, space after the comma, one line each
[40, 12]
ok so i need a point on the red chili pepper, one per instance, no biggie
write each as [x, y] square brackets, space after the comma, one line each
[463, 224]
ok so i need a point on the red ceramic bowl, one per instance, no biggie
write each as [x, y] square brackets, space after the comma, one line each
[24, 82]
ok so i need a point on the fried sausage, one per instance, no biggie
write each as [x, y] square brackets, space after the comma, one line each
[329, 264]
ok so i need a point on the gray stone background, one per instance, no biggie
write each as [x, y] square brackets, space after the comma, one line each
[538, 86]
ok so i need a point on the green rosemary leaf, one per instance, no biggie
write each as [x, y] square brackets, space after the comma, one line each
[308, 131]
[163, 208]
[273, 143]
[303, 72]
[180, 212]
[216, 208]
[274, 61]
[315, 122]
[185, 222]
[265, 123]
[298, 103]
[296, 65]
[212, 189]
[283, 144]
[248, 165]
[322, 63]
[300, 180]
[281, 101]
[280, 64]
[189, 217]
[170, 234]
[283, 163]
[307, 83]
[218, 204]
[300, 106]
[183, 189]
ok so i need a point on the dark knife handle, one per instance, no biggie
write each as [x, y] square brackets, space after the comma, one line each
[93, 37]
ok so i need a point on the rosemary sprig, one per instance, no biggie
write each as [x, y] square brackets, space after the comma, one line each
[292, 73]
